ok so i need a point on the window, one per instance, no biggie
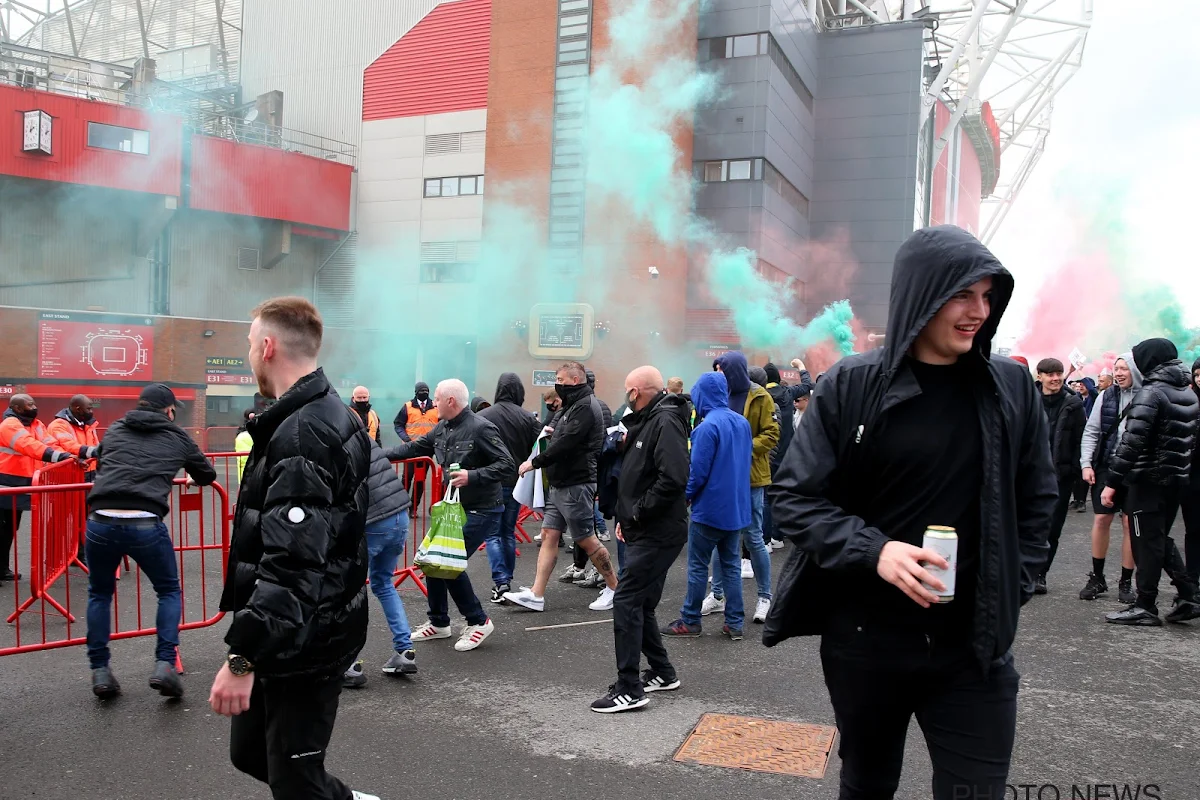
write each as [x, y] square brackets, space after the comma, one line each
[454, 186]
[125, 140]
[449, 262]
[451, 272]
[780, 59]
[739, 170]
[742, 169]
[752, 44]
[790, 194]
[440, 144]
[742, 46]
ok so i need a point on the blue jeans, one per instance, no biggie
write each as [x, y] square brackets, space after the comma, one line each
[760, 556]
[151, 547]
[480, 525]
[502, 546]
[702, 540]
[385, 543]
[598, 520]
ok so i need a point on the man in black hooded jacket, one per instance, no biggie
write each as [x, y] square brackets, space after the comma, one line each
[518, 430]
[1154, 463]
[945, 434]
[1191, 500]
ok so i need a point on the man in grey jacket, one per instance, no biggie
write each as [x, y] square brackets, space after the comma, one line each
[1100, 437]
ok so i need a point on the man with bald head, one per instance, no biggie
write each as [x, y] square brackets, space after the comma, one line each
[23, 450]
[360, 404]
[74, 428]
[652, 522]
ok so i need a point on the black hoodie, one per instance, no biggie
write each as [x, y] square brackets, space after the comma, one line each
[518, 428]
[139, 457]
[820, 504]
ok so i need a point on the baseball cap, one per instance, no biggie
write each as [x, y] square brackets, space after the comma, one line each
[158, 395]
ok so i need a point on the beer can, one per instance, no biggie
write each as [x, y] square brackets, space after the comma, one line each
[943, 541]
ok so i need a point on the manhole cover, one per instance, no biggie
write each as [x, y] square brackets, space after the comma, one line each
[764, 745]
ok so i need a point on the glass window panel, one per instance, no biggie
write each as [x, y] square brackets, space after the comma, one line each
[433, 187]
[574, 30]
[573, 71]
[762, 43]
[728, 47]
[449, 187]
[758, 162]
[714, 171]
[574, 5]
[466, 185]
[571, 58]
[739, 170]
[567, 47]
[745, 45]
[479, 184]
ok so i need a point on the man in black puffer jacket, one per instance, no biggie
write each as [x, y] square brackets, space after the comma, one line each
[296, 582]
[1191, 500]
[1065, 419]
[944, 433]
[518, 430]
[1154, 462]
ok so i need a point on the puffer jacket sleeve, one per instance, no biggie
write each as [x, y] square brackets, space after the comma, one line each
[801, 508]
[296, 526]
[1037, 491]
[1139, 430]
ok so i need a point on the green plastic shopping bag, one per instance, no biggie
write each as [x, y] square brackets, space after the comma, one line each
[443, 552]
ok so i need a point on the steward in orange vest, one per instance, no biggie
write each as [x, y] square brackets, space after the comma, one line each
[74, 429]
[417, 417]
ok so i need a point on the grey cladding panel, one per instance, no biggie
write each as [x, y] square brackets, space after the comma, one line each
[874, 64]
[856, 169]
[750, 16]
[728, 145]
[875, 83]
[866, 106]
[836, 148]
[866, 41]
[859, 210]
[853, 127]
[731, 194]
[867, 189]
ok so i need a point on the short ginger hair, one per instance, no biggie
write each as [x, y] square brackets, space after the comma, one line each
[297, 323]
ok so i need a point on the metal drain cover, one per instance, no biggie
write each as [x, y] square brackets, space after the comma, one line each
[763, 745]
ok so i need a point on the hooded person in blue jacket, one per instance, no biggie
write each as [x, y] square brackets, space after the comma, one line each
[719, 490]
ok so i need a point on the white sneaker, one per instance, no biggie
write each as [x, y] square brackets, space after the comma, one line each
[526, 599]
[711, 605]
[473, 636]
[605, 601]
[775, 544]
[430, 631]
[747, 569]
[538, 538]
[363, 796]
[761, 609]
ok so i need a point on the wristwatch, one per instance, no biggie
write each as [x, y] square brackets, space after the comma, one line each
[239, 666]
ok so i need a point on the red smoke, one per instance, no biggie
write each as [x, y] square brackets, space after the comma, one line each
[1073, 305]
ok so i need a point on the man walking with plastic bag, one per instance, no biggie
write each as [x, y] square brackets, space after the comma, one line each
[473, 445]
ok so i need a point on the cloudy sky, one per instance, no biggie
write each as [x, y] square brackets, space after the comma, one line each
[1125, 134]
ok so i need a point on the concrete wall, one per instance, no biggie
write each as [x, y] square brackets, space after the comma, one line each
[864, 186]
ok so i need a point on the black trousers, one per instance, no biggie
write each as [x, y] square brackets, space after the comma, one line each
[1065, 486]
[10, 520]
[1152, 511]
[1082, 488]
[281, 740]
[1190, 506]
[635, 626]
[879, 679]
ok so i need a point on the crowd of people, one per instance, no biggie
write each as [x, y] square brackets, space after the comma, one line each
[931, 429]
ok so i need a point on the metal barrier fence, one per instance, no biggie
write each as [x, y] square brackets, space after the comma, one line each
[197, 521]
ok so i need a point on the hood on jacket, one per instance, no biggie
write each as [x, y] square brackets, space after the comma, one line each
[417, 390]
[1091, 386]
[772, 371]
[141, 419]
[736, 370]
[932, 266]
[758, 375]
[710, 392]
[509, 389]
[1153, 353]
[479, 404]
[1133, 370]
[72, 419]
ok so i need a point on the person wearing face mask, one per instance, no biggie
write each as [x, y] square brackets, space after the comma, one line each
[24, 448]
[360, 403]
[136, 467]
[74, 429]
[416, 418]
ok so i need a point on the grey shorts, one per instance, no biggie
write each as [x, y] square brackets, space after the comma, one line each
[571, 509]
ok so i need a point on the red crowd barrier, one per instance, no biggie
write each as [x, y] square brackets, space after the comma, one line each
[198, 522]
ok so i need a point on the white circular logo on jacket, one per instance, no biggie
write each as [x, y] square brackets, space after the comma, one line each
[295, 514]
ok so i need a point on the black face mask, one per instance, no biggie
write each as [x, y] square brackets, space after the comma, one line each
[422, 395]
[86, 418]
[569, 393]
[28, 416]
[363, 405]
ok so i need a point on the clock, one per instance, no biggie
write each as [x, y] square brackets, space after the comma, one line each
[38, 130]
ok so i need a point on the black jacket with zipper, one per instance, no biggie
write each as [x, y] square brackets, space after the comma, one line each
[570, 458]
[821, 505]
[651, 497]
[473, 443]
[518, 428]
[384, 487]
[139, 457]
[1066, 436]
[1160, 432]
[296, 581]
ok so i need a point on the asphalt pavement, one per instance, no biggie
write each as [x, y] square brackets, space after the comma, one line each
[1100, 706]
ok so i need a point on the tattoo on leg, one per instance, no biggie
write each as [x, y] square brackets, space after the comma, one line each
[603, 562]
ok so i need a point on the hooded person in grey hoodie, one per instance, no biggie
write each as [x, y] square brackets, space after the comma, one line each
[1101, 434]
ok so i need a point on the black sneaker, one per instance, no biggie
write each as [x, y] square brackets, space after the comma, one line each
[1039, 586]
[681, 629]
[165, 680]
[616, 701]
[1096, 586]
[1134, 615]
[354, 677]
[1081, 506]
[9, 575]
[1183, 611]
[733, 633]
[104, 683]
[1125, 592]
[653, 682]
[498, 592]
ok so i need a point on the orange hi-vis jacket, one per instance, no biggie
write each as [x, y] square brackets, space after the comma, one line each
[419, 423]
[23, 450]
[69, 434]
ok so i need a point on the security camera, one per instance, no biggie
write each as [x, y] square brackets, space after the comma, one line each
[654, 272]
